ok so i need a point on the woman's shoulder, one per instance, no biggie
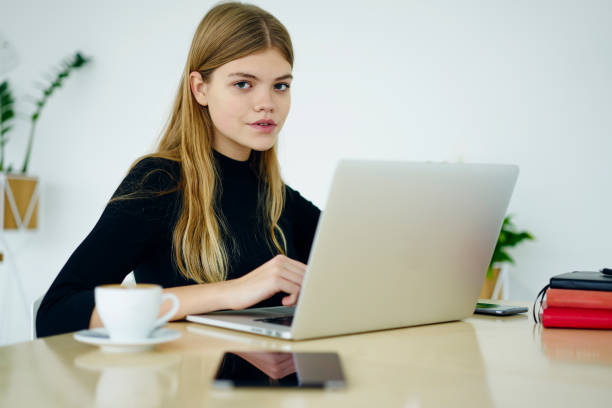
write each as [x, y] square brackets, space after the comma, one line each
[151, 174]
[296, 201]
[148, 163]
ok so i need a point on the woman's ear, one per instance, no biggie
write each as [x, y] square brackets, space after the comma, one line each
[198, 88]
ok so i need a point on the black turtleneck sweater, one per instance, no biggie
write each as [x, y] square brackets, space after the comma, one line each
[136, 235]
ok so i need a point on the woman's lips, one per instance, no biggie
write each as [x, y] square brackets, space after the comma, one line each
[263, 128]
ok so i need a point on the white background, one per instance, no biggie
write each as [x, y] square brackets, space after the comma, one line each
[523, 82]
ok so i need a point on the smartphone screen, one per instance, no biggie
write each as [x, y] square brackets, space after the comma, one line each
[279, 369]
[498, 310]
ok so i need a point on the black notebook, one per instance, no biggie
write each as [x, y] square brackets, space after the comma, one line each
[582, 280]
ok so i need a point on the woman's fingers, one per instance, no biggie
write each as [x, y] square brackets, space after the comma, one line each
[290, 269]
[289, 300]
[280, 274]
[292, 276]
[294, 266]
[287, 286]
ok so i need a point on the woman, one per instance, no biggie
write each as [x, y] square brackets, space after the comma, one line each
[207, 216]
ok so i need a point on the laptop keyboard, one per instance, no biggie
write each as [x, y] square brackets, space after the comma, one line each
[283, 320]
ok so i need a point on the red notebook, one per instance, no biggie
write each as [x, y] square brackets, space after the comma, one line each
[577, 318]
[584, 299]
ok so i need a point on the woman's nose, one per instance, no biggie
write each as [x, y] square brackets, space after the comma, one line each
[264, 102]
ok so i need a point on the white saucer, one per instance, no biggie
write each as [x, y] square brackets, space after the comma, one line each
[99, 337]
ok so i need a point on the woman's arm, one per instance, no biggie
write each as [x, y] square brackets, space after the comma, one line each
[193, 299]
[280, 274]
[111, 250]
[305, 218]
[115, 246]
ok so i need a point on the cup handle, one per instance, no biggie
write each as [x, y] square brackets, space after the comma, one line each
[164, 319]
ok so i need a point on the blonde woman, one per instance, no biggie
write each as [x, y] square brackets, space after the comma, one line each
[207, 216]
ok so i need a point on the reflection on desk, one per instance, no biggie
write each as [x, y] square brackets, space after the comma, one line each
[483, 361]
[137, 380]
[578, 345]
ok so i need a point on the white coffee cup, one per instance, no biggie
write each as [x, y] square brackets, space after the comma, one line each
[130, 313]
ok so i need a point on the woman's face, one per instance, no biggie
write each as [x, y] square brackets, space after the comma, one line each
[241, 94]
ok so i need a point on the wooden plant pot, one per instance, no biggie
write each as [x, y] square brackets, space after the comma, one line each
[489, 285]
[19, 204]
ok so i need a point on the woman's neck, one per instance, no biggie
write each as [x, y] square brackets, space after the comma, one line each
[233, 151]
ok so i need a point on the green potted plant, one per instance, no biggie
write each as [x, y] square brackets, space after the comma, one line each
[6, 117]
[509, 237]
[20, 191]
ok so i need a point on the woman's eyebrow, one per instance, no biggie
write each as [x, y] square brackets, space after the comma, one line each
[245, 75]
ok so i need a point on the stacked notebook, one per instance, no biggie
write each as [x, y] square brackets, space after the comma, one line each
[579, 300]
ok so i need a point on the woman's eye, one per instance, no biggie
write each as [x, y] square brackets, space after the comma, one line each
[280, 86]
[241, 84]
[247, 85]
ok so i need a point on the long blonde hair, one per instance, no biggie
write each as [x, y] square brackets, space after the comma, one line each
[228, 31]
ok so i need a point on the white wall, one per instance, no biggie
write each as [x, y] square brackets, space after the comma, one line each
[525, 82]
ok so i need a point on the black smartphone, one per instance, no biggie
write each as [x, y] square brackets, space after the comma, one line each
[498, 310]
[279, 369]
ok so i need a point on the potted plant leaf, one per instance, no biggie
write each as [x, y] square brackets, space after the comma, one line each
[20, 191]
[509, 237]
[19, 203]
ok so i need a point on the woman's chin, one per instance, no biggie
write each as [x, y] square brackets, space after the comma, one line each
[262, 147]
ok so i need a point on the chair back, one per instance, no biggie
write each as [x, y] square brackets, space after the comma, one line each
[35, 306]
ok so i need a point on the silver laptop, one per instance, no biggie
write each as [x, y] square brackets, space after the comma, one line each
[399, 244]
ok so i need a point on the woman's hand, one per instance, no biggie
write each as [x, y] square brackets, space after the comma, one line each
[279, 274]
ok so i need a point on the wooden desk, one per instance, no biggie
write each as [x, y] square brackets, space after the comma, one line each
[479, 362]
